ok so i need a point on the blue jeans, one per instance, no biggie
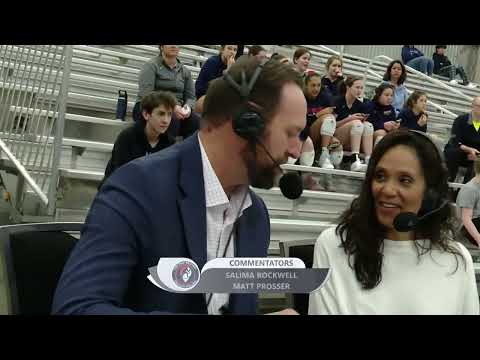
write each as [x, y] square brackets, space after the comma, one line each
[422, 64]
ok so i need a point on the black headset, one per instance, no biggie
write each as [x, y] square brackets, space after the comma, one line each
[433, 197]
[248, 123]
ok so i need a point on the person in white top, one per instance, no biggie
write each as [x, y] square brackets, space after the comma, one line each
[375, 269]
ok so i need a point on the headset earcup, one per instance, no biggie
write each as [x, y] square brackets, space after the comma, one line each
[248, 124]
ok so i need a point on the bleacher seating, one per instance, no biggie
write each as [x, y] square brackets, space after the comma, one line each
[99, 71]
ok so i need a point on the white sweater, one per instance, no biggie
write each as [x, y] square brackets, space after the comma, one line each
[409, 285]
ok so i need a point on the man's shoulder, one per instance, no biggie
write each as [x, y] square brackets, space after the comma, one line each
[462, 118]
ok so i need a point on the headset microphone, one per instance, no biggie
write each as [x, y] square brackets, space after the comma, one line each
[291, 184]
[408, 221]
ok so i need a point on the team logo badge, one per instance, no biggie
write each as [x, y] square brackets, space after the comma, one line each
[186, 274]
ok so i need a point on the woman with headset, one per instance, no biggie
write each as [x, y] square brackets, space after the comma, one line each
[377, 269]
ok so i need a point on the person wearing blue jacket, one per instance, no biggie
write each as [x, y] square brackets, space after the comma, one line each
[382, 114]
[396, 74]
[192, 200]
[414, 116]
[213, 68]
[414, 58]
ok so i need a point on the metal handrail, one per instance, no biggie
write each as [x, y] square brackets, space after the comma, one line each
[367, 70]
[422, 75]
[59, 128]
[24, 172]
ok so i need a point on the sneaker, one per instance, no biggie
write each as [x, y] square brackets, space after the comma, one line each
[471, 85]
[358, 166]
[453, 82]
[326, 164]
[336, 154]
[324, 161]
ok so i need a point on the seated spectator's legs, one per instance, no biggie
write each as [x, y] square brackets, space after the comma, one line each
[307, 156]
[461, 71]
[430, 65]
[350, 135]
[367, 140]
[448, 71]
[422, 64]
[336, 152]
[455, 158]
[188, 126]
[321, 132]
[307, 153]
[199, 105]
[378, 135]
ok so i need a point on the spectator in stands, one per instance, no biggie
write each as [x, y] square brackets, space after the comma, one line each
[352, 128]
[414, 115]
[192, 200]
[443, 67]
[382, 113]
[464, 144]
[258, 51]
[334, 75]
[166, 72]
[213, 68]
[468, 201]
[301, 59]
[146, 136]
[255, 50]
[414, 58]
[376, 269]
[321, 123]
[396, 75]
[279, 57]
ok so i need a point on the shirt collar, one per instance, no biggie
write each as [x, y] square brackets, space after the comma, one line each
[176, 67]
[214, 193]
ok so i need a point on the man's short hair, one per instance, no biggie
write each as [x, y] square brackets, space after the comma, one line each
[223, 101]
[255, 50]
[440, 47]
[156, 98]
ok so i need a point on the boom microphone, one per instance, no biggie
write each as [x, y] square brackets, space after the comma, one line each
[291, 184]
[407, 221]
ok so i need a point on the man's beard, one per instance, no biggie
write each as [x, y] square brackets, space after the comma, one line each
[259, 175]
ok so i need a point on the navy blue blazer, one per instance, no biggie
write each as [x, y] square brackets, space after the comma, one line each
[150, 208]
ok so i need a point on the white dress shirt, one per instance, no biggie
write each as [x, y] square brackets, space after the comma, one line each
[221, 215]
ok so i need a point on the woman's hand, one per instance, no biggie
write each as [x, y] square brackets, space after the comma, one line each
[179, 112]
[391, 125]
[423, 120]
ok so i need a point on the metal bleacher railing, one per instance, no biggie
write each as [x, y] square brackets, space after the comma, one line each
[34, 78]
[99, 71]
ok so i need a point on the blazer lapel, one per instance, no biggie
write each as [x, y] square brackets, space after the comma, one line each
[192, 204]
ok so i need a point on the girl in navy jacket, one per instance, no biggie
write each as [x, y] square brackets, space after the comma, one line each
[381, 112]
[414, 115]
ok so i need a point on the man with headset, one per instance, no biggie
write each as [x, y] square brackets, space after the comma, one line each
[191, 200]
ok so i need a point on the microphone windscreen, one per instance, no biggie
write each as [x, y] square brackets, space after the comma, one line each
[291, 185]
[405, 222]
